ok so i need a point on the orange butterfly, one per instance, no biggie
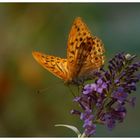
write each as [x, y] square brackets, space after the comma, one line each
[84, 56]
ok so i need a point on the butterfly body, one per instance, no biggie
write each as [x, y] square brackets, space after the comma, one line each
[84, 56]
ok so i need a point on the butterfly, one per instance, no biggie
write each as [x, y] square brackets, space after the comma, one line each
[84, 56]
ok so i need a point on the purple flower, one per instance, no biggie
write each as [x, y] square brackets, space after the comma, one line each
[90, 129]
[132, 86]
[99, 102]
[109, 121]
[104, 100]
[119, 113]
[120, 94]
[110, 118]
[100, 86]
[89, 88]
[87, 115]
[116, 81]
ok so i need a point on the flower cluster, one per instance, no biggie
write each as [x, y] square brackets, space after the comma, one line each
[103, 102]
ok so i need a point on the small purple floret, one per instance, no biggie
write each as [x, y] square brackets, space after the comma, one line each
[90, 129]
[120, 94]
[87, 115]
[109, 121]
[100, 86]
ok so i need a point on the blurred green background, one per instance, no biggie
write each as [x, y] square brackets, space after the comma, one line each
[45, 27]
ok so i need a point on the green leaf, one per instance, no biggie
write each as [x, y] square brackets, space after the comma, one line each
[73, 128]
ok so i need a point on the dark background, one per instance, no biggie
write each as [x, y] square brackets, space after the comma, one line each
[45, 27]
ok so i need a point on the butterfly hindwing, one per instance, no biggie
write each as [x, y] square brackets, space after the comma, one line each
[94, 58]
[55, 65]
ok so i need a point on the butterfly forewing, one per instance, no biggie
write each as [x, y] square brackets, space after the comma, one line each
[78, 34]
[55, 65]
[84, 51]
